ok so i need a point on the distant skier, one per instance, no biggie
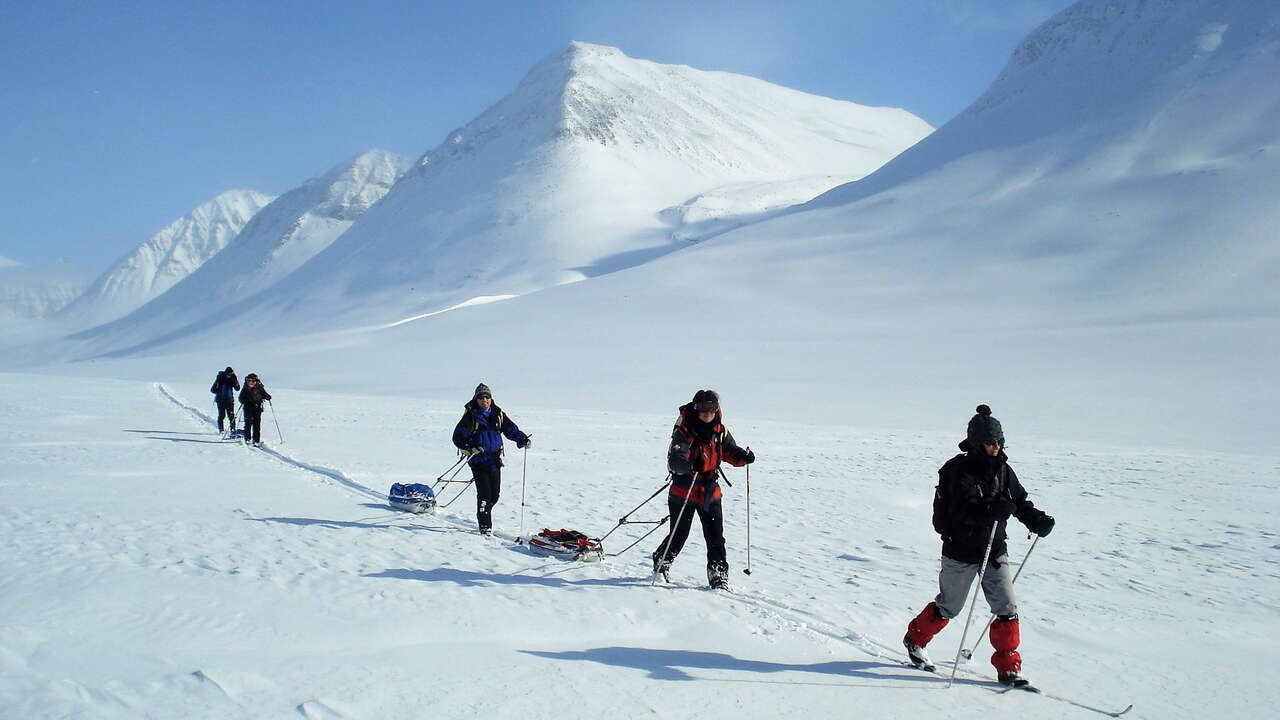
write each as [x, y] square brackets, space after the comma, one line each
[699, 442]
[976, 490]
[252, 397]
[224, 394]
[479, 436]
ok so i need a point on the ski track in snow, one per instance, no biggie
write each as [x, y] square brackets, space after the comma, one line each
[149, 568]
[774, 610]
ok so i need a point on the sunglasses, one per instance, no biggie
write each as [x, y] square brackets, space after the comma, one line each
[484, 397]
[708, 407]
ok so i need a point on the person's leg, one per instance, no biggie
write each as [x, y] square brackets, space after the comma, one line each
[997, 586]
[487, 487]
[713, 532]
[954, 579]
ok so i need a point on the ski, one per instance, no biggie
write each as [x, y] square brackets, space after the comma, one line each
[1035, 690]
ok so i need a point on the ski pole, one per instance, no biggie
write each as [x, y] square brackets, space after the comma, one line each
[277, 422]
[982, 570]
[676, 525]
[524, 473]
[747, 569]
[968, 654]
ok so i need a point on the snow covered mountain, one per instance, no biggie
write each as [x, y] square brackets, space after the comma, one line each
[165, 258]
[1131, 146]
[1109, 278]
[33, 293]
[580, 171]
[276, 241]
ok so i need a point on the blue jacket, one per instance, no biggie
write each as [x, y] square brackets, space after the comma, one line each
[476, 430]
[225, 386]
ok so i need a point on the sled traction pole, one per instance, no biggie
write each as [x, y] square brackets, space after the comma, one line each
[624, 521]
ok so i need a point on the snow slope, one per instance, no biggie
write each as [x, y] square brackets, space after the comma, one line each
[1130, 152]
[279, 239]
[165, 258]
[573, 175]
[151, 570]
[32, 293]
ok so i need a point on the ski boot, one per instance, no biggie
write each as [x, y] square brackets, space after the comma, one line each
[662, 566]
[1013, 680]
[917, 655]
[718, 575]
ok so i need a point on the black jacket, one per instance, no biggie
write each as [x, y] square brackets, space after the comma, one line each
[253, 397]
[970, 489]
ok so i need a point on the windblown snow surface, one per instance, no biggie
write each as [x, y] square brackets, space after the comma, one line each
[1090, 249]
[152, 570]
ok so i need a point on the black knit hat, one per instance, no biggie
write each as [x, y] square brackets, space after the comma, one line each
[706, 401]
[984, 429]
[481, 389]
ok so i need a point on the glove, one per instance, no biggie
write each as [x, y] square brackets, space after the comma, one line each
[472, 451]
[525, 443]
[1000, 509]
[749, 458]
[1043, 526]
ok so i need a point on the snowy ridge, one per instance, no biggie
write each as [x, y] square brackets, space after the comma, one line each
[166, 257]
[277, 241]
[568, 177]
[34, 293]
[1107, 68]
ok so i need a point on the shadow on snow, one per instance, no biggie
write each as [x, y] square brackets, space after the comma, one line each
[671, 664]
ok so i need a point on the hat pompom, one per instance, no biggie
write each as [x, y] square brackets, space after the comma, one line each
[984, 410]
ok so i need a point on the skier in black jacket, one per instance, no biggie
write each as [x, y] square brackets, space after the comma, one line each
[977, 491]
[252, 397]
[224, 394]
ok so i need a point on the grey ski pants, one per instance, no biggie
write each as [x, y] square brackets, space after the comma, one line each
[956, 577]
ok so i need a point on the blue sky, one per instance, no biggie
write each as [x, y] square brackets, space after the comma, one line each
[117, 118]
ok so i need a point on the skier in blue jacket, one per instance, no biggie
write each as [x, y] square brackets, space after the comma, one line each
[224, 394]
[479, 436]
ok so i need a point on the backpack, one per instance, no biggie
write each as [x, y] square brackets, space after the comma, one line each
[414, 498]
[567, 544]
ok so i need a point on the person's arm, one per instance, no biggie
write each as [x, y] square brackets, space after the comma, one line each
[733, 454]
[1036, 520]
[462, 434]
[513, 432]
[679, 454]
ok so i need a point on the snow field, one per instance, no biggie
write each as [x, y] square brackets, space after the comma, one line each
[150, 568]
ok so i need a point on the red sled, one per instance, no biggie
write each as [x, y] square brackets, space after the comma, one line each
[567, 544]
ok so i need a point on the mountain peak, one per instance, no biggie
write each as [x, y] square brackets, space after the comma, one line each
[167, 256]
